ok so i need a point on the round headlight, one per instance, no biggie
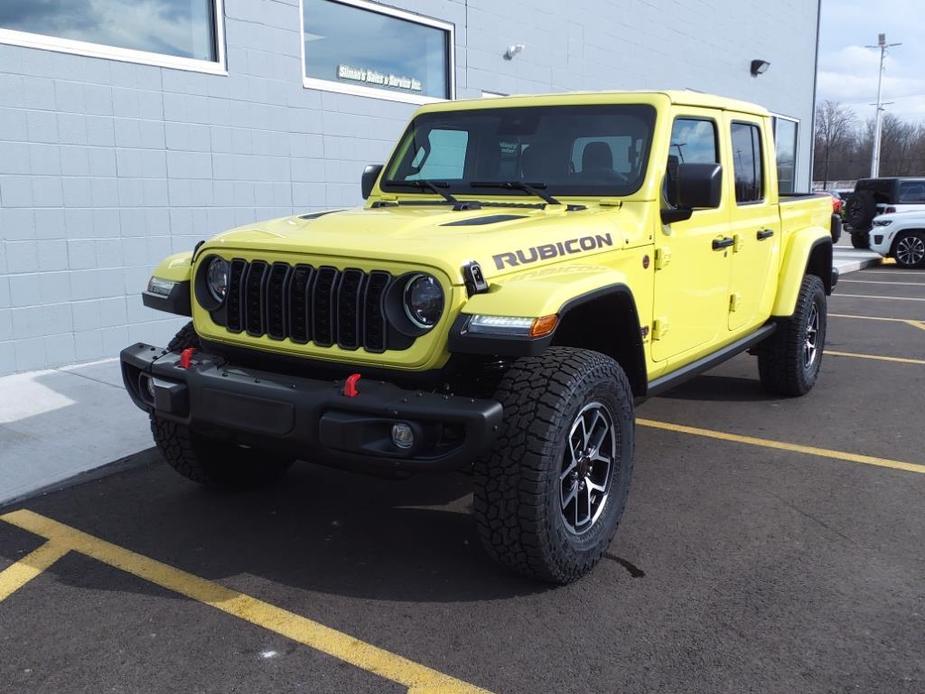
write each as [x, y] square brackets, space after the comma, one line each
[423, 301]
[217, 278]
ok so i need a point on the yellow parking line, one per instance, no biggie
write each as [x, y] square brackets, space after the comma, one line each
[878, 357]
[911, 284]
[784, 446]
[876, 296]
[30, 566]
[418, 678]
[908, 321]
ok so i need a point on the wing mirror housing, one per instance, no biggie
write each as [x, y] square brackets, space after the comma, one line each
[692, 187]
[370, 176]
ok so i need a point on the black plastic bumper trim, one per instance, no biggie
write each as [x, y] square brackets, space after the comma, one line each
[311, 418]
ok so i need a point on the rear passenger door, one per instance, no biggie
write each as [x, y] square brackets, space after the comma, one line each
[754, 220]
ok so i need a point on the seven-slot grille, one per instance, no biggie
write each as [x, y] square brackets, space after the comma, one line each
[305, 303]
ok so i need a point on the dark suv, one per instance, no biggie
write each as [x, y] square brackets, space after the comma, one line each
[873, 196]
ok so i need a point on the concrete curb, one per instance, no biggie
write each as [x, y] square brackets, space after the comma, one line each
[854, 265]
[149, 456]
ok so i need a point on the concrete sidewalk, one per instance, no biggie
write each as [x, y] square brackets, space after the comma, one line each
[57, 423]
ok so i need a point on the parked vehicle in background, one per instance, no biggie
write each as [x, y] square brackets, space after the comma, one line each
[875, 196]
[525, 269]
[838, 206]
[900, 235]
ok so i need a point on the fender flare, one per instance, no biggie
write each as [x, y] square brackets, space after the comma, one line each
[805, 247]
[462, 342]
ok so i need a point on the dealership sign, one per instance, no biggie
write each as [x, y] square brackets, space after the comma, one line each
[356, 74]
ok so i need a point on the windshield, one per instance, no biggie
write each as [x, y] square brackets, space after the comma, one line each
[563, 150]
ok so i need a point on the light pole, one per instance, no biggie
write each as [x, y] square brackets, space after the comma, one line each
[878, 123]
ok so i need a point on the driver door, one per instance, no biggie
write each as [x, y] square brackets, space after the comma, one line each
[692, 271]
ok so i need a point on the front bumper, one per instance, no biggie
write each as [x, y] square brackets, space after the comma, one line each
[881, 240]
[309, 418]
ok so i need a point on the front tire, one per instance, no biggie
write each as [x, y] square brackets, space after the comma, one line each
[790, 359]
[214, 463]
[909, 250]
[550, 495]
[210, 462]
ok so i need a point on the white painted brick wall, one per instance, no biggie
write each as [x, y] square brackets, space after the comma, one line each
[106, 167]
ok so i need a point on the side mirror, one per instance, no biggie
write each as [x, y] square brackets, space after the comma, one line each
[370, 176]
[694, 186]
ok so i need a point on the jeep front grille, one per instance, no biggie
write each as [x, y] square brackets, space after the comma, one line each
[304, 303]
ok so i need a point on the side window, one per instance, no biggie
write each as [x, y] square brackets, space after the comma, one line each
[747, 163]
[443, 157]
[693, 141]
[911, 192]
[785, 144]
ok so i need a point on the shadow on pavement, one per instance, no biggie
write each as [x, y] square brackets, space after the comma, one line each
[318, 529]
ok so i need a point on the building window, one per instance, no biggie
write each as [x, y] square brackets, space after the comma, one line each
[785, 140]
[363, 48]
[184, 34]
[747, 163]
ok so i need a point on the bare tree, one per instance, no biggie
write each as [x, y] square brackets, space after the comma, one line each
[834, 127]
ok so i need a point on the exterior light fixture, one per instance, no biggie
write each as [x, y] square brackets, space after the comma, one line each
[759, 67]
[513, 50]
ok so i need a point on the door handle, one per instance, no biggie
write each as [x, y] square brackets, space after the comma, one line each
[724, 242]
[765, 234]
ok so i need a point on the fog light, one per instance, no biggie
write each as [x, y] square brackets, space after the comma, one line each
[402, 435]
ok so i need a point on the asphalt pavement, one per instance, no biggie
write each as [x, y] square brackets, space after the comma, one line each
[769, 545]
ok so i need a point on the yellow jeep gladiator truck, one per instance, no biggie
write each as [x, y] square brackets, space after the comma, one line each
[524, 271]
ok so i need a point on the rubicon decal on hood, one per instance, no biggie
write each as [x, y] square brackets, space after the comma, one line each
[552, 250]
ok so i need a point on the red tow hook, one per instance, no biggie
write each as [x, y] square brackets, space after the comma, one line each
[350, 385]
[186, 357]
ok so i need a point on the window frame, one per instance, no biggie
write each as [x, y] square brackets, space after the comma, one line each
[775, 117]
[763, 164]
[374, 92]
[89, 49]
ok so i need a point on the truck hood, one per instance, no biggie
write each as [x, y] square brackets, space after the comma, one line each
[501, 239]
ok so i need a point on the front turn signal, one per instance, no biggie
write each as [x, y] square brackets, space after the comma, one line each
[544, 325]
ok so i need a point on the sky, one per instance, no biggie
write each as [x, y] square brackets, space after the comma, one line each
[848, 70]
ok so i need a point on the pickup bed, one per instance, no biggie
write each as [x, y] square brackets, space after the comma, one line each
[525, 271]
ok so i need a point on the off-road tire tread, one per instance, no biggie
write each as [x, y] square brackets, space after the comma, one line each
[509, 502]
[780, 357]
[216, 464]
[185, 337]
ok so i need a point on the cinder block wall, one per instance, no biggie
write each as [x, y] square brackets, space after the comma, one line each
[106, 167]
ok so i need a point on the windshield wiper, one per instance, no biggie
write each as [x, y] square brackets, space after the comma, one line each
[435, 187]
[531, 188]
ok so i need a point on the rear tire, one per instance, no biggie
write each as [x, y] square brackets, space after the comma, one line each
[790, 359]
[860, 239]
[909, 250]
[214, 463]
[547, 501]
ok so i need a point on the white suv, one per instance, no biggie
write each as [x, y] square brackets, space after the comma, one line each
[900, 235]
